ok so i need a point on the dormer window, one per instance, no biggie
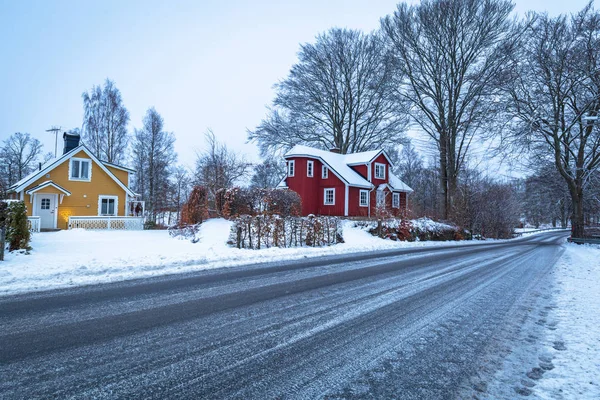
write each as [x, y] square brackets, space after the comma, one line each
[291, 167]
[310, 168]
[379, 171]
[80, 169]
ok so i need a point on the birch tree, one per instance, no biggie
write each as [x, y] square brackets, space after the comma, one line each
[105, 122]
[153, 156]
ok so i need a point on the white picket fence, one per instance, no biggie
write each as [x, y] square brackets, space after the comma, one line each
[107, 223]
[33, 223]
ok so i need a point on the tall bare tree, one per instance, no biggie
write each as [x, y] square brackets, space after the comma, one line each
[267, 174]
[447, 54]
[18, 157]
[218, 167]
[153, 156]
[553, 95]
[336, 96]
[105, 122]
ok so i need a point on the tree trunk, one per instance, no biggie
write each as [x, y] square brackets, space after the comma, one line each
[577, 217]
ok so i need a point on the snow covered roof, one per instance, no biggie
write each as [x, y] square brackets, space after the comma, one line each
[51, 164]
[397, 184]
[340, 164]
[336, 162]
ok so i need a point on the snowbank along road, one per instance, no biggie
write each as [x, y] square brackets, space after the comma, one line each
[402, 324]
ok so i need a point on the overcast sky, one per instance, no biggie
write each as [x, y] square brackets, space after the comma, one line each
[202, 64]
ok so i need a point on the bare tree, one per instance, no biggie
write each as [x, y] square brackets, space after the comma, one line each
[267, 174]
[424, 180]
[105, 122]
[153, 156]
[447, 54]
[180, 188]
[553, 95]
[336, 96]
[18, 157]
[218, 167]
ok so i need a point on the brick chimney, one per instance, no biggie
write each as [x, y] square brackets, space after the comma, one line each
[334, 150]
[71, 141]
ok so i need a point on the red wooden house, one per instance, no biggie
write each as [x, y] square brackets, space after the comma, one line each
[351, 185]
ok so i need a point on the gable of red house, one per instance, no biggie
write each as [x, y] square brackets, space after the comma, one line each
[350, 185]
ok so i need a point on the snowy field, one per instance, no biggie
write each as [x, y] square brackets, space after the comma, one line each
[79, 257]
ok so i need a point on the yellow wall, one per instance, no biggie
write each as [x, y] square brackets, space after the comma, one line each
[83, 200]
[121, 175]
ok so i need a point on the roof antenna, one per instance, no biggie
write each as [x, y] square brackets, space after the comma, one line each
[55, 129]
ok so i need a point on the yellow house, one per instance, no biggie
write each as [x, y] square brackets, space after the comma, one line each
[78, 190]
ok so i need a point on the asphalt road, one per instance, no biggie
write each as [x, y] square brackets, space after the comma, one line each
[403, 324]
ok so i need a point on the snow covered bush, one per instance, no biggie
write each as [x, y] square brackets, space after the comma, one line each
[264, 231]
[422, 229]
[189, 232]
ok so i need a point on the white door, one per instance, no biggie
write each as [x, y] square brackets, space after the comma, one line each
[46, 207]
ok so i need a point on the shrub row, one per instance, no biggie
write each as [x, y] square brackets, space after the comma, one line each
[264, 231]
[235, 202]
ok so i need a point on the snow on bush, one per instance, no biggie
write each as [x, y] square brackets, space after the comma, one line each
[421, 229]
[264, 231]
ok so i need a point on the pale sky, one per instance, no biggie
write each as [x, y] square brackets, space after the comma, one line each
[201, 64]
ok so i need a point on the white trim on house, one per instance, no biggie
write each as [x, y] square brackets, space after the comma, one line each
[370, 178]
[46, 184]
[81, 161]
[118, 167]
[346, 200]
[291, 170]
[325, 197]
[366, 193]
[109, 197]
[310, 169]
[324, 172]
[395, 200]
[377, 165]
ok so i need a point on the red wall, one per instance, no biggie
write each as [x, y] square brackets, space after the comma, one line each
[381, 160]
[363, 170]
[312, 190]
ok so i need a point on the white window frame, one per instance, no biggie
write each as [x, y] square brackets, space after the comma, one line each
[332, 190]
[87, 160]
[360, 202]
[291, 168]
[324, 172]
[380, 198]
[310, 168]
[108, 197]
[395, 200]
[382, 176]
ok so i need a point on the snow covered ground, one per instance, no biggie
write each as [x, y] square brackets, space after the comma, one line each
[575, 343]
[554, 352]
[79, 257]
